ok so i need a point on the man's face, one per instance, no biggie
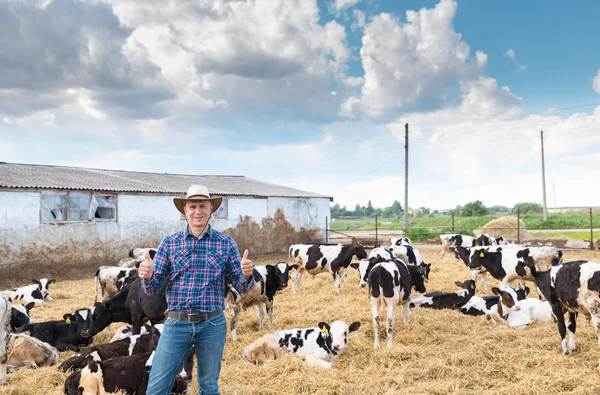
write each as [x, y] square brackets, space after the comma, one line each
[198, 212]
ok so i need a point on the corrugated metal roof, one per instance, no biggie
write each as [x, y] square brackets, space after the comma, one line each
[14, 175]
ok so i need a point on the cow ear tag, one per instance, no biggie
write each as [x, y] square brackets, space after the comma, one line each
[472, 286]
[481, 254]
[68, 320]
[526, 292]
[324, 331]
[293, 270]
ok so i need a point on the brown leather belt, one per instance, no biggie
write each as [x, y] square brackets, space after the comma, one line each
[193, 318]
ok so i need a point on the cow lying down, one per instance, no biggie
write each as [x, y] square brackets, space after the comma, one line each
[28, 352]
[446, 300]
[519, 313]
[319, 346]
[478, 305]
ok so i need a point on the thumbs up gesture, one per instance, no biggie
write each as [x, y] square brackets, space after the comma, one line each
[146, 268]
[247, 265]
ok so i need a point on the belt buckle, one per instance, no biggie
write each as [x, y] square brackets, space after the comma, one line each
[194, 318]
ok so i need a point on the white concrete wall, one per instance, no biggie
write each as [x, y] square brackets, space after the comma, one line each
[141, 220]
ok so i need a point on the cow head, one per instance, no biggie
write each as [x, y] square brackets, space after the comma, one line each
[359, 251]
[364, 268]
[417, 277]
[20, 315]
[282, 271]
[338, 331]
[81, 319]
[427, 268]
[508, 300]
[463, 253]
[469, 285]
[101, 316]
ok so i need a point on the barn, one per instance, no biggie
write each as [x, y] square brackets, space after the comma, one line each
[73, 216]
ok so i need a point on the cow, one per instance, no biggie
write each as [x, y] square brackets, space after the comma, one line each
[401, 241]
[364, 268]
[140, 253]
[112, 279]
[478, 305]
[36, 292]
[390, 284]
[486, 240]
[519, 313]
[67, 334]
[131, 305]
[28, 352]
[126, 331]
[447, 300]
[453, 240]
[410, 255]
[5, 313]
[573, 287]
[319, 346]
[129, 374]
[136, 344]
[315, 259]
[268, 279]
[129, 263]
[510, 263]
[20, 315]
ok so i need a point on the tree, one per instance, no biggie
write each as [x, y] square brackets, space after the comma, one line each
[528, 208]
[474, 209]
[396, 208]
[369, 210]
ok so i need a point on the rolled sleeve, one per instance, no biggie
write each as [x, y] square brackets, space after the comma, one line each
[234, 270]
[162, 267]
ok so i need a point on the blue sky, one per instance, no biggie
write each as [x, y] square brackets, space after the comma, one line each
[312, 94]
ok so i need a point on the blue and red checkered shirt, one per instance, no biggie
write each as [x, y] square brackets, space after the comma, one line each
[196, 269]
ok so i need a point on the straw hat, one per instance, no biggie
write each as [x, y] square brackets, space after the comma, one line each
[197, 192]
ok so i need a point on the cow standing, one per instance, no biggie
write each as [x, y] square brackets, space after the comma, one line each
[451, 241]
[112, 279]
[319, 258]
[486, 240]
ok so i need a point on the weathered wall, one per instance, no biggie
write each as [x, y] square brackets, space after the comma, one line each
[142, 220]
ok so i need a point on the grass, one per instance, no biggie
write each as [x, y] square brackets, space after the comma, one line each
[558, 235]
[440, 352]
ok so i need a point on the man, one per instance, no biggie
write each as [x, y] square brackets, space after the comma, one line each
[195, 261]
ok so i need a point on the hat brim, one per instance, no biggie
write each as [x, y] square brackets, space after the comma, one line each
[180, 203]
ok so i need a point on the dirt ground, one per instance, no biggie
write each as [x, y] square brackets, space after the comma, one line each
[440, 352]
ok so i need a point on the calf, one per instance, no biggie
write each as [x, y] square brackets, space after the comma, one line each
[112, 279]
[131, 305]
[129, 374]
[365, 266]
[20, 315]
[36, 292]
[510, 263]
[451, 241]
[487, 240]
[317, 258]
[140, 253]
[481, 305]
[64, 335]
[519, 313]
[28, 352]
[447, 300]
[402, 241]
[390, 284]
[573, 287]
[126, 331]
[268, 279]
[319, 346]
[136, 344]
[411, 256]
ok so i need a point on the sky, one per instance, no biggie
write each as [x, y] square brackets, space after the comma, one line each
[313, 95]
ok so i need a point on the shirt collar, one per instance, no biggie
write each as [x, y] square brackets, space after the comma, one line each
[188, 233]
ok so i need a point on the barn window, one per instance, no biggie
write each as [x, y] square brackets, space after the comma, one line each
[75, 206]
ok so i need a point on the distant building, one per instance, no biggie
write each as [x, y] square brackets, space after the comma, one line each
[70, 214]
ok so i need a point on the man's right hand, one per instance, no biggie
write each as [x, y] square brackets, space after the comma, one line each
[146, 268]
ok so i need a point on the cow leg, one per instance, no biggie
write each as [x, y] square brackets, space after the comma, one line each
[376, 322]
[136, 325]
[337, 280]
[269, 306]
[484, 279]
[261, 315]
[595, 307]
[235, 316]
[391, 313]
[571, 326]
[312, 361]
[296, 280]
[562, 328]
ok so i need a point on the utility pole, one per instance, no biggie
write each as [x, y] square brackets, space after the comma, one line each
[405, 177]
[544, 178]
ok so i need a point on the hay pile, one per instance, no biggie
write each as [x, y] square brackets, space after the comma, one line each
[507, 228]
[441, 352]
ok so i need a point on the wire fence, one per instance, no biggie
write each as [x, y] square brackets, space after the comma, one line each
[378, 236]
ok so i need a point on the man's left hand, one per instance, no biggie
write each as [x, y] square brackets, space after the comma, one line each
[247, 266]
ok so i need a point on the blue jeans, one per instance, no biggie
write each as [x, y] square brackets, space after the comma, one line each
[208, 338]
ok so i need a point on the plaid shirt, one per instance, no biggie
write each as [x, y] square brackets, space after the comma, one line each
[196, 270]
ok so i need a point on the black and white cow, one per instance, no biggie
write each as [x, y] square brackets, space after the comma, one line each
[36, 292]
[319, 258]
[519, 313]
[20, 315]
[268, 279]
[453, 240]
[486, 240]
[478, 305]
[136, 344]
[400, 241]
[67, 334]
[126, 331]
[131, 305]
[390, 284]
[319, 346]
[129, 374]
[573, 287]
[364, 268]
[447, 300]
[5, 313]
[411, 256]
[510, 262]
[140, 253]
[112, 279]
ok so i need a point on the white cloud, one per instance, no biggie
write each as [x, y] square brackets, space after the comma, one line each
[360, 20]
[353, 82]
[510, 53]
[596, 82]
[339, 5]
[521, 68]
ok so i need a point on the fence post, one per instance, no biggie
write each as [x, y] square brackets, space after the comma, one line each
[518, 226]
[591, 231]
[326, 230]
[376, 232]
[453, 222]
